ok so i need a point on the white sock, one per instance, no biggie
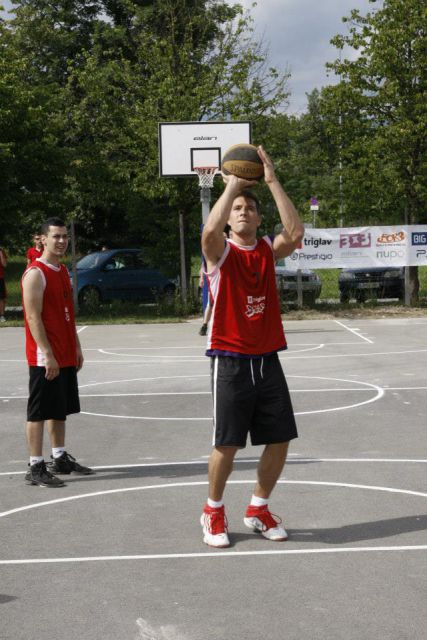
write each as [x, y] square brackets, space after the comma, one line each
[36, 459]
[214, 505]
[258, 502]
[57, 451]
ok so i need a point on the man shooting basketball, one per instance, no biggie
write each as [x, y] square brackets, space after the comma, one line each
[250, 393]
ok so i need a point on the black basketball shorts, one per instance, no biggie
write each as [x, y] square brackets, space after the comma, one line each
[250, 395]
[52, 399]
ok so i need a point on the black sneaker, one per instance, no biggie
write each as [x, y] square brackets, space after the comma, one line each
[67, 464]
[38, 474]
[203, 330]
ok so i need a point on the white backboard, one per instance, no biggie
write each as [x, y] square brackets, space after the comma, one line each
[185, 145]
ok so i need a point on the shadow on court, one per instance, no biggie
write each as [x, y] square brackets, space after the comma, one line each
[361, 530]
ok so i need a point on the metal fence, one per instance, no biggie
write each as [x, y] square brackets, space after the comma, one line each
[323, 287]
[311, 288]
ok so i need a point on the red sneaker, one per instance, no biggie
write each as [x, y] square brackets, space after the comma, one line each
[260, 519]
[215, 527]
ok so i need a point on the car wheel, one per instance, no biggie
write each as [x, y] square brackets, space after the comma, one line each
[89, 297]
[360, 296]
[344, 298]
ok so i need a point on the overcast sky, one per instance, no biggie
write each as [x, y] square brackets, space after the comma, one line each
[298, 34]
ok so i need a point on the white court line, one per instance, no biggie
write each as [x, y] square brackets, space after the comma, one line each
[373, 387]
[187, 377]
[214, 554]
[196, 347]
[283, 355]
[200, 483]
[181, 357]
[81, 329]
[294, 458]
[201, 393]
[112, 350]
[354, 331]
[350, 355]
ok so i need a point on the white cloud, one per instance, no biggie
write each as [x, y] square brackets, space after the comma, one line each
[298, 33]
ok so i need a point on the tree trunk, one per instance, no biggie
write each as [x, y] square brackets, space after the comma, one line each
[414, 286]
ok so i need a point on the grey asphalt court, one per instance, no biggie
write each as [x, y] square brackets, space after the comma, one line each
[119, 555]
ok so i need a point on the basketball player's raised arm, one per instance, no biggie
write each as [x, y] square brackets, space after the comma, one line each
[213, 231]
[293, 229]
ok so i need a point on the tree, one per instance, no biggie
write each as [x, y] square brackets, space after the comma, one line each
[117, 68]
[31, 163]
[382, 101]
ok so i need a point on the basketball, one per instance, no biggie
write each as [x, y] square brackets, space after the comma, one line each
[243, 161]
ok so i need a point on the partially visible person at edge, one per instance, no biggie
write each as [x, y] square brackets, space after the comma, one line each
[3, 292]
[54, 357]
[35, 251]
[208, 309]
[250, 393]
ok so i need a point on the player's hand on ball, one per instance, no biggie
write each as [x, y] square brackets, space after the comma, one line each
[238, 184]
[269, 174]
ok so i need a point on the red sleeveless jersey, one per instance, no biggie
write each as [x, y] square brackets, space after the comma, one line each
[246, 309]
[33, 254]
[57, 317]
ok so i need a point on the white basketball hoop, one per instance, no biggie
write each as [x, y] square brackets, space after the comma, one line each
[206, 176]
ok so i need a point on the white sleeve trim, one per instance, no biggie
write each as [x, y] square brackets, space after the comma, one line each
[221, 261]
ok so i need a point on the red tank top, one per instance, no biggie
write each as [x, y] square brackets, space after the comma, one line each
[57, 316]
[246, 309]
[33, 254]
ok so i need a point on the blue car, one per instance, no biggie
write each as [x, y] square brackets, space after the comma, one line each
[119, 274]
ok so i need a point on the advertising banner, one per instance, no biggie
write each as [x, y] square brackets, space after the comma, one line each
[354, 247]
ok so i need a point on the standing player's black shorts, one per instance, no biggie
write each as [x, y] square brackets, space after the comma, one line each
[52, 399]
[250, 395]
[2, 289]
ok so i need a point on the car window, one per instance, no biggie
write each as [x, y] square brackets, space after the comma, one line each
[120, 261]
[89, 262]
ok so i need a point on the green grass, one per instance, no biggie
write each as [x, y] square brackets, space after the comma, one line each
[13, 273]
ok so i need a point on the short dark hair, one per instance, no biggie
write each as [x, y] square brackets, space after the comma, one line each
[247, 193]
[51, 222]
